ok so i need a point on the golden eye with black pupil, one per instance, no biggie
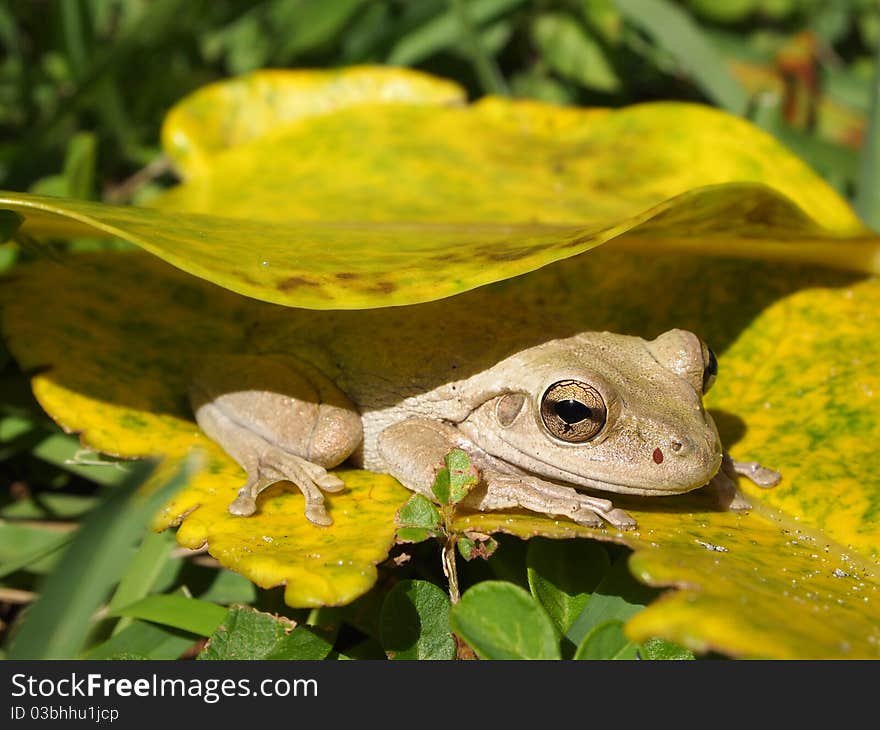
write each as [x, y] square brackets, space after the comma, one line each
[710, 371]
[573, 411]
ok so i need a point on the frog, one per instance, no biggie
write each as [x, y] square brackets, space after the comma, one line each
[557, 428]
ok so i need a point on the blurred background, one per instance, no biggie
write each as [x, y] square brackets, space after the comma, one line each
[84, 84]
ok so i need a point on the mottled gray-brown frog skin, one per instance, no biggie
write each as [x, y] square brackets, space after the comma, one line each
[554, 425]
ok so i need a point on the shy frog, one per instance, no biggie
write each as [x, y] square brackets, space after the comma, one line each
[558, 426]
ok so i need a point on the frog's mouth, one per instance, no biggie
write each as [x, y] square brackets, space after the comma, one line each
[643, 487]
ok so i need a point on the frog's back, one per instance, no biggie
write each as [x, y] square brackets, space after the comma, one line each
[385, 358]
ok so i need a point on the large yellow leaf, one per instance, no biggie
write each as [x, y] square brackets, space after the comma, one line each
[327, 265]
[386, 203]
[229, 113]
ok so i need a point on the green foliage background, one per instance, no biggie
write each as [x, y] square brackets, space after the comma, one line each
[84, 85]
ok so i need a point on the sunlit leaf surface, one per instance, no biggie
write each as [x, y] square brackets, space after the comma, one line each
[229, 113]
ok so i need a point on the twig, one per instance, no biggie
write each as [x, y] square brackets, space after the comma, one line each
[16, 596]
[122, 192]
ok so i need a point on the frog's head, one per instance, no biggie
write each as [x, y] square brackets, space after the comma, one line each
[604, 411]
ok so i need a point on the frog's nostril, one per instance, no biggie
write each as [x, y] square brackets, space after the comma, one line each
[676, 446]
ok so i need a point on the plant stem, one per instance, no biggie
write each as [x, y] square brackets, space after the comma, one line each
[487, 70]
[450, 569]
[868, 196]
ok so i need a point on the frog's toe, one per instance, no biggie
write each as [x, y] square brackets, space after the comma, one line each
[587, 518]
[755, 472]
[330, 483]
[244, 504]
[317, 514]
[620, 519]
[727, 495]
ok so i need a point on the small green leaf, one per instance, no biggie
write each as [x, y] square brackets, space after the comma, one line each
[419, 512]
[414, 622]
[455, 480]
[414, 534]
[562, 575]
[607, 641]
[617, 597]
[476, 546]
[189, 614]
[502, 621]
[662, 650]
[246, 633]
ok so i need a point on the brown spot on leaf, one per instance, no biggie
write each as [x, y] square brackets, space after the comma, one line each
[295, 282]
[347, 275]
[383, 287]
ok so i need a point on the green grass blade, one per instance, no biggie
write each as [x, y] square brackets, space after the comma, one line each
[49, 506]
[444, 31]
[142, 574]
[57, 624]
[868, 196]
[65, 452]
[36, 553]
[79, 165]
[146, 640]
[675, 31]
[484, 65]
[179, 612]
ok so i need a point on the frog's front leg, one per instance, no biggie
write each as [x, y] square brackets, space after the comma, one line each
[413, 451]
[724, 485]
[281, 420]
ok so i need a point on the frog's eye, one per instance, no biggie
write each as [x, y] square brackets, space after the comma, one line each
[710, 367]
[573, 411]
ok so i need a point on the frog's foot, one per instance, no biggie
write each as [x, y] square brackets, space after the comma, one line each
[760, 475]
[512, 490]
[727, 495]
[724, 486]
[276, 466]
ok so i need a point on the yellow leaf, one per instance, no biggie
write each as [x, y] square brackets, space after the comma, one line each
[377, 203]
[229, 113]
[319, 566]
